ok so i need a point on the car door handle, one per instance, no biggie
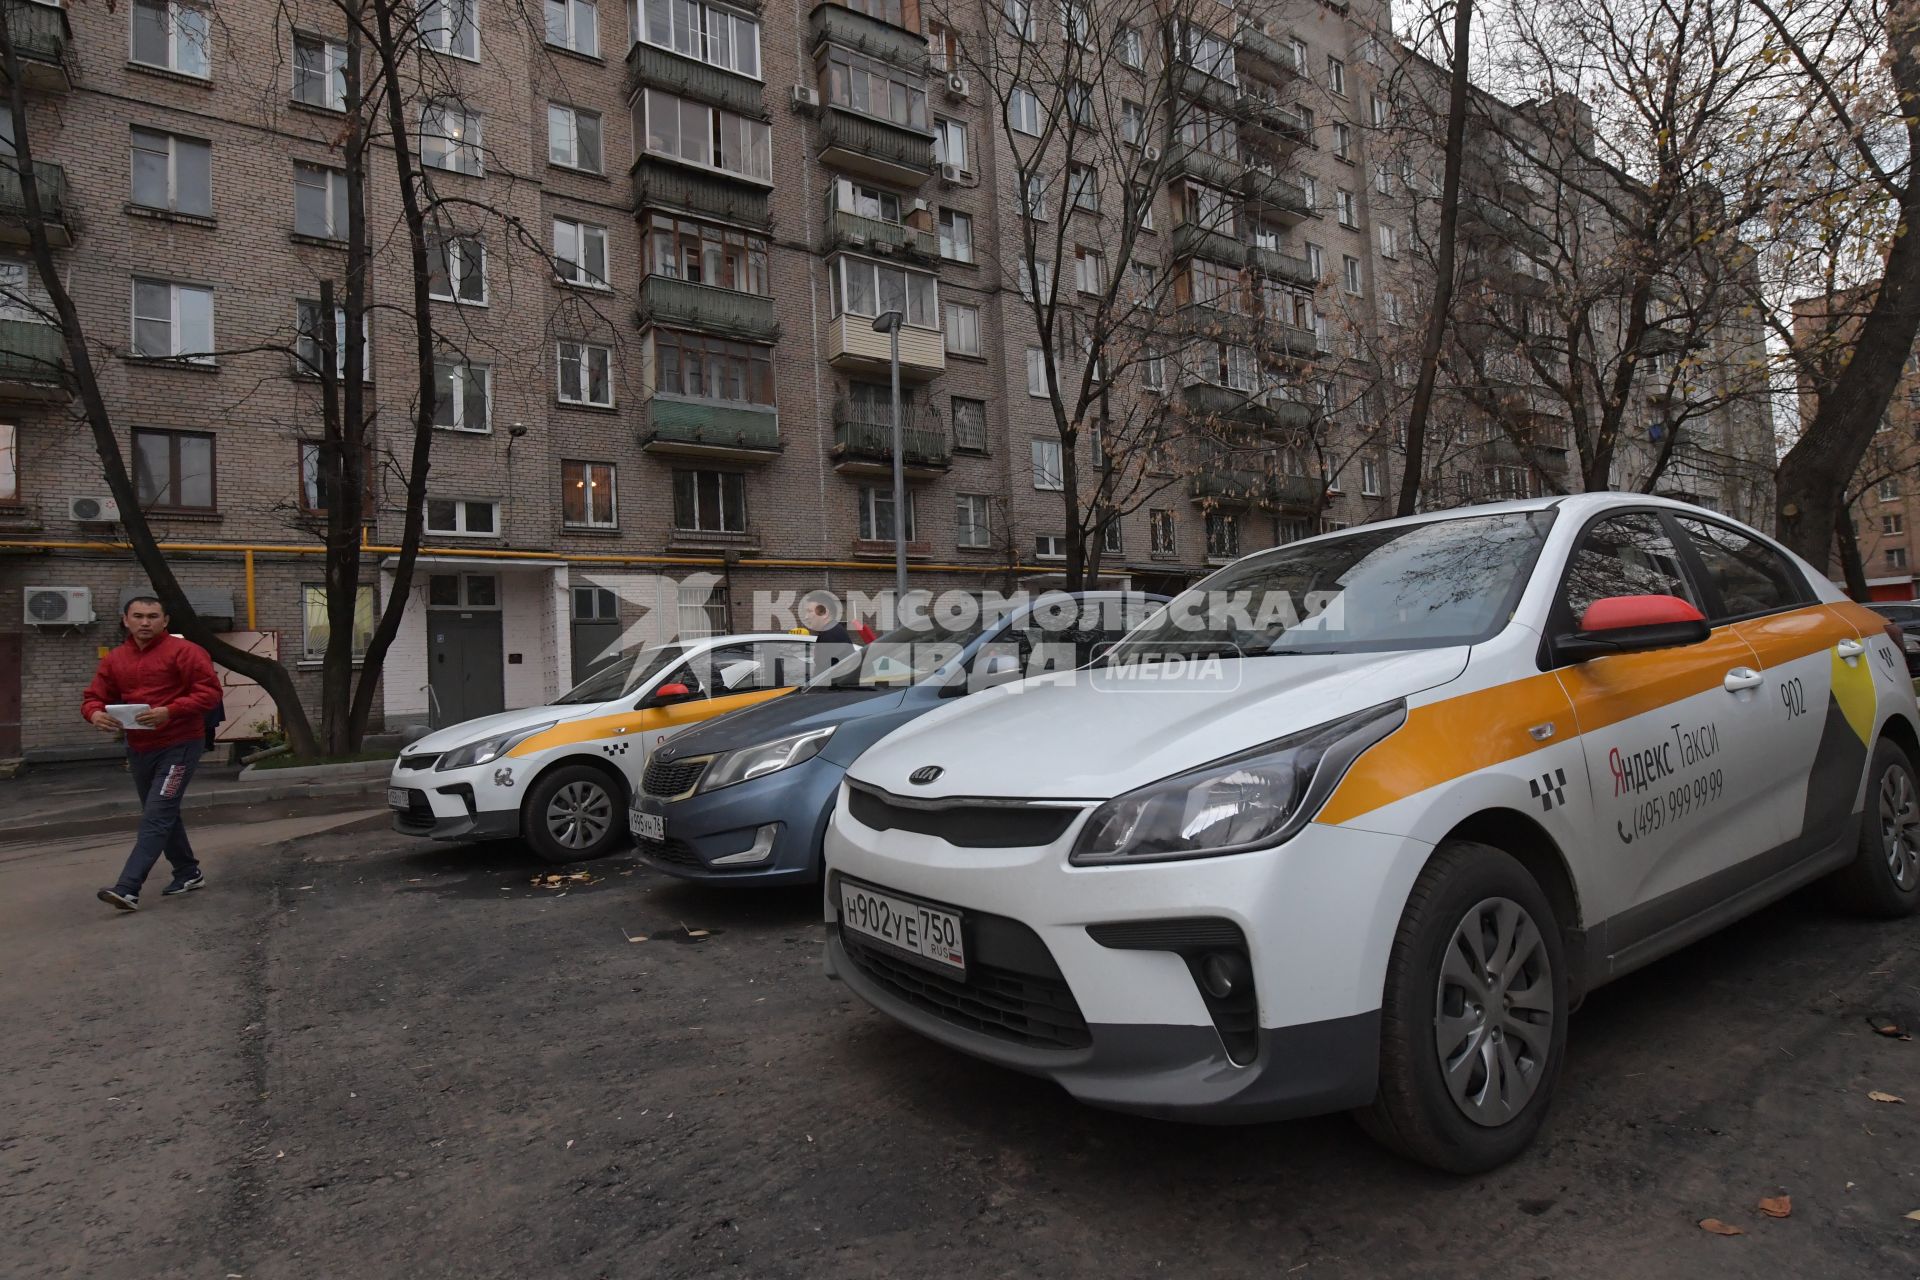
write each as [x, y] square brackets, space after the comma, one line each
[1850, 648]
[1742, 678]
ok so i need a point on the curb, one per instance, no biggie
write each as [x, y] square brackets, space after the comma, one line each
[228, 796]
[356, 770]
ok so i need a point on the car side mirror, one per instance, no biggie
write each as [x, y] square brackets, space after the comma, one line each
[1633, 624]
[670, 693]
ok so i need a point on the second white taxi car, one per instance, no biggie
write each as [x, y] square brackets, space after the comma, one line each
[1356, 822]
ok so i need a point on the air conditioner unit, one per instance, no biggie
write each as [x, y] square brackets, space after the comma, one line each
[93, 510]
[1150, 154]
[806, 98]
[951, 173]
[59, 606]
[957, 87]
[920, 205]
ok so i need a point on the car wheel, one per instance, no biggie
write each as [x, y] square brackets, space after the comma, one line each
[575, 812]
[1474, 1017]
[1884, 877]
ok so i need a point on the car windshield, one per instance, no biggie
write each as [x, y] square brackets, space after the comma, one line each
[627, 672]
[906, 655]
[1416, 586]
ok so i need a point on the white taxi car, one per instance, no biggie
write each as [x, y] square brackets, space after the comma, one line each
[1356, 822]
[561, 775]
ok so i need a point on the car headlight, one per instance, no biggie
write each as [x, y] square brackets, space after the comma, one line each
[769, 757]
[1910, 642]
[1250, 800]
[490, 748]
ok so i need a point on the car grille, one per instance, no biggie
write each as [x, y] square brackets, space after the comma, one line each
[1036, 1010]
[425, 760]
[675, 852]
[669, 779]
[417, 816]
[966, 824]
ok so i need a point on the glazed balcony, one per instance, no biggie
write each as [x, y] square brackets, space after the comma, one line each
[681, 304]
[832, 23]
[863, 444]
[651, 67]
[853, 347]
[872, 235]
[887, 153]
[660, 183]
[705, 429]
[33, 361]
[41, 39]
[54, 204]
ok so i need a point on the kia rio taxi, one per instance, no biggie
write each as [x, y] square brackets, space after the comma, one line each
[1357, 821]
[561, 775]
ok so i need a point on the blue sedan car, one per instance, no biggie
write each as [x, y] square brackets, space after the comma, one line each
[744, 799]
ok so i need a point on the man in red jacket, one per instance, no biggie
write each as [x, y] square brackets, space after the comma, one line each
[175, 679]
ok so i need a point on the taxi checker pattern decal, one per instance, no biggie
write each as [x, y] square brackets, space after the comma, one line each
[1469, 732]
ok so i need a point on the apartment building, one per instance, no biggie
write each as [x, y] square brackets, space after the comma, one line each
[663, 234]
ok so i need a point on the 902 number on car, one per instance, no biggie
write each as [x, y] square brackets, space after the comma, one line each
[914, 927]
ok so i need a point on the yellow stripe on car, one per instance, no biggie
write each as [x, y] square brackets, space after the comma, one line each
[626, 724]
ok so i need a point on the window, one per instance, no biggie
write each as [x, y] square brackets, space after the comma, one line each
[310, 360]
[1089, 270]
[1133, 52]
[1390, 307]
[1349, 208]
[1625, 555]
[1023, 111]
[963, 329]
[1083, 187]
[1110, 536]
[587, 495]
[1033, 196]
[450, 26]
[1223, 535]
[706, 33]
[173, 470]
[1896, 557]
[1369, 478]
[943, 47]
[1893, 524]
[1377, 111]
[710, 501]
[1160, 530]
[1350, 273]
[1153, 373]
[172, 321]
[1080, 103]
[956, 235]
[1316, 260]
[1750, 577]
[862, 287]
[1076, 22]
[1389, 241]
[1037, 372]
[586, 374]
[706, 136]
[319, 72]
[573, 138]
[969, 425]
[722, 257]
[463, 517]
[1298, 48]
[463, 591]
[1889, 489]
[575, 25]
[1049, 546]
[1207, 52]
[1209, 284]
[9, 463]
[450, 138]
[1020, 20]
[1205, 206]
[703, 368]
[1310, 192]
[171, 34]
[1047, 472]
[580, 253]
[463, 395]
[876, 515]
[315, 490]
[595, 604]
[319, 202]
[457, 269]
[1133, 122]
[874, 88]
[318, 627]
[171, 172]
[1039, 275]
[1343, 142]
[970, 520]
[1336, 76]
[950, 143]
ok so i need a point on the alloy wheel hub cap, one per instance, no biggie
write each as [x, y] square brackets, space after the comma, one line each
[1493, 1012]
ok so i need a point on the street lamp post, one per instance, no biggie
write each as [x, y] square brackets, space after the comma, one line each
[888, 322]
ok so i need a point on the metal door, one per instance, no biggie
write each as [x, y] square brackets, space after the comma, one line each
[464, 668]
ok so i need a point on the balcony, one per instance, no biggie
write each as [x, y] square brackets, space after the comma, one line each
[1269, 193]
[40, 35]
[1208, 322]
[33, 361]
[680, 304]
[887, 153]
[52, 182]
[650, 67]
[863, 446]
[1190, 240]
[1204, 89]
[871, 235]
[853, 347]
[1264, 54]
[836, 24]
[1283, 266]
[704, 429]
[1293, 339]
[1267, 413]
[1281, 122]
[1214, 170]
[659, 183]
[1218, 485]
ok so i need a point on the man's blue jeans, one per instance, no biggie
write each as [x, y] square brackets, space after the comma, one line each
[161, 778]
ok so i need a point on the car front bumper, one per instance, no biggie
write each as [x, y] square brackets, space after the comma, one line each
[1124, 1023]
[448, 805]
[706, 829]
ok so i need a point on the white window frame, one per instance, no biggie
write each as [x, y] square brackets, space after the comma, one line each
[1049, 467]
[1023, 111]
[1056, 542]
[456, 246]
[570, 12]
[972, 520]
[843, 265]
[1342, 140]
[173, 141]
[1037, 373]
[565, 151]
[1348, 206]
[1369, 478]
[460, 521]
[335, 189]
[1350, 278]
[580, 276]
[176, 40]
[962, 329]
[952, 247]
[462, 18]
[582, 353]
[867, 528]
[177, 351]
[1336, 77]
[1033, 197]
[700, 45]
[444, 151]
[758, 148]
[364, 601]
[458, 372]
[1389, 240]
[613, 495]
[1161, 520]
[333, 56]
[945, 129]
[307, 362]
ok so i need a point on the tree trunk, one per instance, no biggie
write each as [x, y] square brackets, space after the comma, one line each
[1849, 544]
[1458, 100]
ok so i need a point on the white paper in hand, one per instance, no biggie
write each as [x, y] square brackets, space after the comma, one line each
[124, 713]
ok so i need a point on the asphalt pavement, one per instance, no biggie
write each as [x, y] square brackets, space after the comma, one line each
[356, 1054]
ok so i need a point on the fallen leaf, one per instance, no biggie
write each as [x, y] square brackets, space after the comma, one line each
[696, 933]
[1915, 1215]
[569, 1144]
[1776, 1206]
[636, 937]
[1878, 1096]
[1719, 1228]
[1886, 1026]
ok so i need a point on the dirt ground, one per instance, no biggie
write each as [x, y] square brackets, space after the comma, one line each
[358, 1055]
